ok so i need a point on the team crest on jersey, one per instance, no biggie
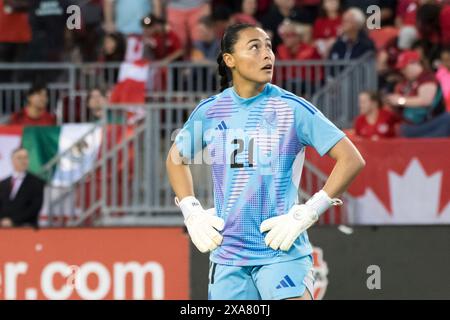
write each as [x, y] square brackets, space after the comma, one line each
[320, 274]
[269, 119]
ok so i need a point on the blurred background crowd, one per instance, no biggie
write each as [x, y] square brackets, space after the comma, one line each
[411, 44]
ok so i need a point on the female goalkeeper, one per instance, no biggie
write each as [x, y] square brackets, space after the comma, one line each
[255, 134]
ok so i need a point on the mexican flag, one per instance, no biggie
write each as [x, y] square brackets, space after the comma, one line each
[78, 143]
[78, 146]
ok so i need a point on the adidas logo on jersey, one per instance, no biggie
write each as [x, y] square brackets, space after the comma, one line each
[286, 282]
[222, 126]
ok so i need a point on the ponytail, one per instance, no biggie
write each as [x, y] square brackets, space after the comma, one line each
[223, 72]
[229, 39]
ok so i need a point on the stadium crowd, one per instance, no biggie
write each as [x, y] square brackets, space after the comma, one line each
[411, 46]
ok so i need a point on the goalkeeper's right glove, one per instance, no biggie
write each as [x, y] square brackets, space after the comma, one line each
[202, 225]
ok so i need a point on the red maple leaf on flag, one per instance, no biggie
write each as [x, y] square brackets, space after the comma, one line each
[393, 155]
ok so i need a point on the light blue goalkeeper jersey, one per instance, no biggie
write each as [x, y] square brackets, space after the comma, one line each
[256, 148]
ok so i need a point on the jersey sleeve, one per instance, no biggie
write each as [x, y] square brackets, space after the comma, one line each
[190, 140]
[313, 128]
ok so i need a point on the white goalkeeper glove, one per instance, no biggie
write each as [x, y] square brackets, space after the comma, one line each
[202, 225]
[286, 228]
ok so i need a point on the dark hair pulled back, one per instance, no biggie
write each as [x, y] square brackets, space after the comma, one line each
[229, 39]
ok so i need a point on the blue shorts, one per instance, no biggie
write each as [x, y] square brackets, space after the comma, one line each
[276, 281]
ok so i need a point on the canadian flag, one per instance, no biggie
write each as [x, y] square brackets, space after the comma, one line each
[405, 181]
[132, 82]
[414, 199]
[135, 48]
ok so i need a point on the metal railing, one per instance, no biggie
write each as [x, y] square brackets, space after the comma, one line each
[128, 180]
[128, 185]
[69, 83]
[139, 191]
[338, 98]
[313, 180]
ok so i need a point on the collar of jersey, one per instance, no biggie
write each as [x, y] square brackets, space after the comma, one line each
[246, 102]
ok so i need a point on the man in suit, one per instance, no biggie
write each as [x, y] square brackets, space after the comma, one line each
[21, 195]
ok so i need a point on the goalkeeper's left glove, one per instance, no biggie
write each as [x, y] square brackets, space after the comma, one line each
[286, 228]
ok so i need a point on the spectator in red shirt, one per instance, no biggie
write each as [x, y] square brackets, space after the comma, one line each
[374, 122]
[35, 113]
[406, 12]
[419, 99]
[15, 34]
[161, 44]
[327, 24]
[296, 42]
[419, 95]
[387, 57]
[297, 45]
